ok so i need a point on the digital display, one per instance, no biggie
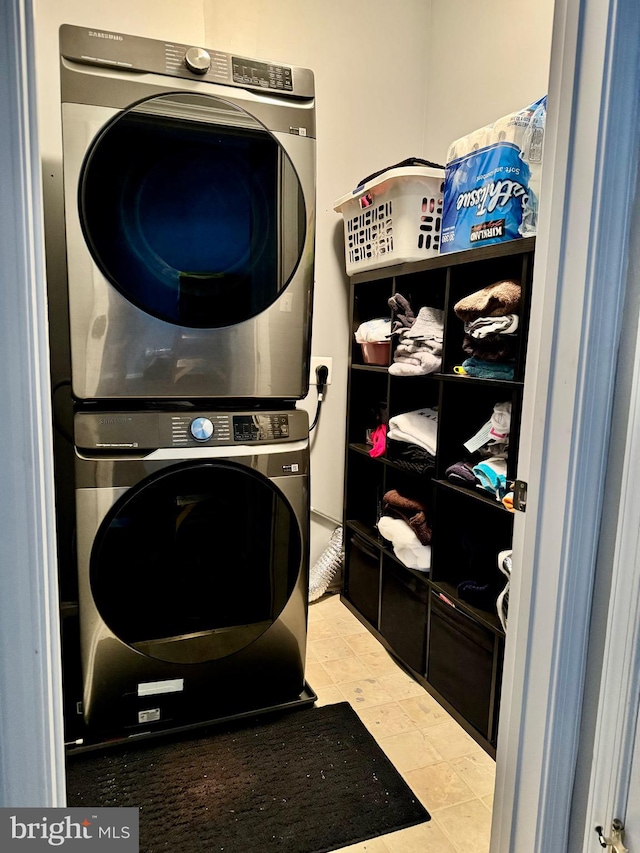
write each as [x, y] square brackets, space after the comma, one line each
[262, 74]
[260, 427]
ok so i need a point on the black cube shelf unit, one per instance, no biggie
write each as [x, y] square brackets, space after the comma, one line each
[451, 647]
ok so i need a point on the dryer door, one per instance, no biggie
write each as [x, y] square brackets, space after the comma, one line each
[192, 210]
[196, 562]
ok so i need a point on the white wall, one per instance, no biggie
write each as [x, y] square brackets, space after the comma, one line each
[370, 63]
[485, 60]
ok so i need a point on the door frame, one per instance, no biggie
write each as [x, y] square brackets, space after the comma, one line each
[579, 288]
[31, 736]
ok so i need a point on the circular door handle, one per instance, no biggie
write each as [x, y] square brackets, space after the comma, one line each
[201, 429]
[197, 60]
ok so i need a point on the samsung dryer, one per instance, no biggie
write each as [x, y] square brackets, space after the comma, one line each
[192, 548]
[189, 205]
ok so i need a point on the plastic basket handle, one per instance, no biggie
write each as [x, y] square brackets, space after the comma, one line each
[410, 161]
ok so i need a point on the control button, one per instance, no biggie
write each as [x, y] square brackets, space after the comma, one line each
[201, 429]
[197, 60]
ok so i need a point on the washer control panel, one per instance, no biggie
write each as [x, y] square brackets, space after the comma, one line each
[211, 428]
[140, 431]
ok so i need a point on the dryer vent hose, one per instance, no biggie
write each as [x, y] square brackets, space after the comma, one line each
[326, 566]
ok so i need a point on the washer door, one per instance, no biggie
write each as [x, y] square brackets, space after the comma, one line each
[192, 210]
[196, 562]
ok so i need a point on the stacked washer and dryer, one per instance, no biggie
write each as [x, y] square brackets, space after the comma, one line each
[188, 191]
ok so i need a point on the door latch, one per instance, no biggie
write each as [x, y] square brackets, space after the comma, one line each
[520, 495]
[616, 839]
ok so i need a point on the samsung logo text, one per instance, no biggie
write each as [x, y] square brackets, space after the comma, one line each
[98, 35]
[112, 421]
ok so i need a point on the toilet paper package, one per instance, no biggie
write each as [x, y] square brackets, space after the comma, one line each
[492, 181]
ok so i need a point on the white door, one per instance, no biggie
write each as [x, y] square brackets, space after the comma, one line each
[608, 777]
[632, 817]
[31, 742]
[570, 697]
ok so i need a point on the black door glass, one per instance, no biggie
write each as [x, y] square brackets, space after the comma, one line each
[192, 210]
[207, 554]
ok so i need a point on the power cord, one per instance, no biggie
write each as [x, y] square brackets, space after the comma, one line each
[322, 374]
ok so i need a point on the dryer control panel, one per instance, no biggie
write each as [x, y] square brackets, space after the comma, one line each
[122, 52]
[153, 430]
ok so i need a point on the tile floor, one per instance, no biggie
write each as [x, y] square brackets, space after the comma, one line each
[450, 774]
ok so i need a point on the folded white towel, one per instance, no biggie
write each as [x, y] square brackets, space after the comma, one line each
[418, 427]
[428, 326]
[406, 545]
[410, 347]
[420, 365]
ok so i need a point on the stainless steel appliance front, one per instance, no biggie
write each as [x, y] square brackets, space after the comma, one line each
[189, 209]
[192, 564]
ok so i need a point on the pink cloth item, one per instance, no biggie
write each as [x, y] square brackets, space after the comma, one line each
[379, 439]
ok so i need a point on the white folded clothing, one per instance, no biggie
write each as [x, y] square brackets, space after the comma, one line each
[373, 331]
[409, 347]
[418, 365]
[500, 422]
[406, 545]
[495, 432]
[428, 325]
[507, 324]
[418, 427]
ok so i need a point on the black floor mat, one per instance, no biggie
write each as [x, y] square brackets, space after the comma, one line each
[306, 782]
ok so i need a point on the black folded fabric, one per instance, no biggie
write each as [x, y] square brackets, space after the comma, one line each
[461, 473]
[491, 348]
[411, 457]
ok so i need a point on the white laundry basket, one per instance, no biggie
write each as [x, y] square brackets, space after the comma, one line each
[394, 217]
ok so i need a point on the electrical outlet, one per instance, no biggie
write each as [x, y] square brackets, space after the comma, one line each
[318, 361]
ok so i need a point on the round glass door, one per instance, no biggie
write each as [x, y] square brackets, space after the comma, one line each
[195, 563]
[192, 210]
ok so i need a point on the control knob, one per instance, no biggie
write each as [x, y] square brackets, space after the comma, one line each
[201, 429]
[197, 60]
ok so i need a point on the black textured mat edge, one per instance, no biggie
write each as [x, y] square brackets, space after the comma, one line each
[309, 781]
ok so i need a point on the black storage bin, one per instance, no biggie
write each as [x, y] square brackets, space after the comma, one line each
[460, 663]
[362, 585]
[403, 614]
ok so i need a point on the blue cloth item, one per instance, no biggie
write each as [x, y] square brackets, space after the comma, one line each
[488, 369]
[492, 474]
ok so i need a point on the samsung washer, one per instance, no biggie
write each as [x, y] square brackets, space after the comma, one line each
[192, 548]
[189, 207]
